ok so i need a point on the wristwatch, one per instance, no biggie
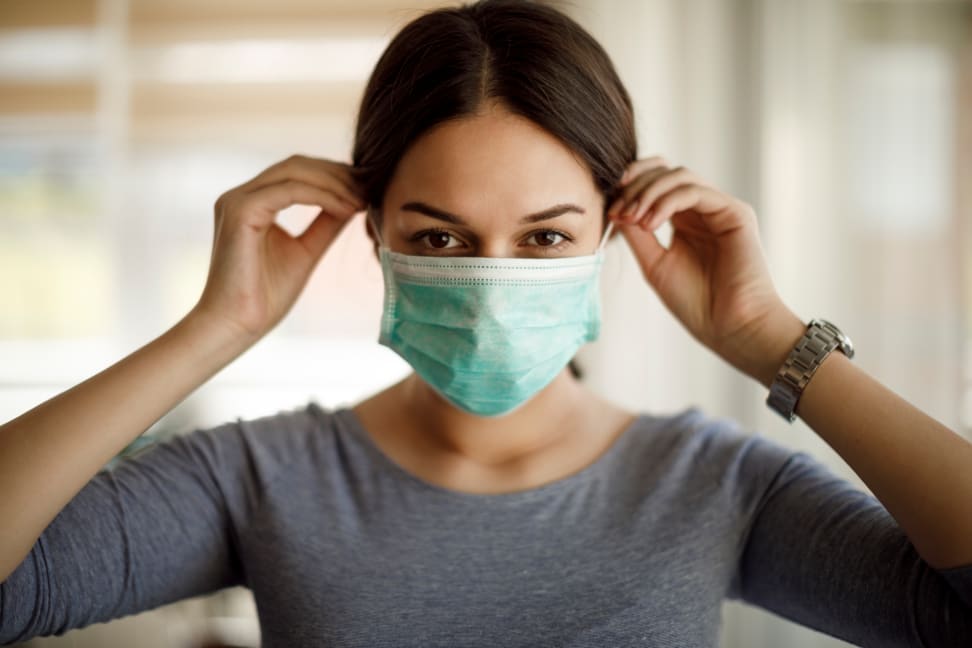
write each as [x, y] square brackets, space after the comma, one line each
[821, 338]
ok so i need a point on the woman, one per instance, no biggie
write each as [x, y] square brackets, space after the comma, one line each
[490, 498]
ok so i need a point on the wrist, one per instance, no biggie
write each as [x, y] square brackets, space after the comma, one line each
[761, 354]
[778, 348]
[214, 334]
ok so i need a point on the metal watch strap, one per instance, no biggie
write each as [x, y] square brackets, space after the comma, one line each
[820, 339]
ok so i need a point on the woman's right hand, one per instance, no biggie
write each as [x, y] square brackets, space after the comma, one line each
[257, 269]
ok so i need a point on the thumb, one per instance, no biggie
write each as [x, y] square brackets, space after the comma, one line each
[647, 250]
[321, 233]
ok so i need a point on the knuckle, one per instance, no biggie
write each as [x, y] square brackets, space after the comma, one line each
[681, 175]
[231, 204]
[223, 201]
[747, 209]
[298, 191]
[673, 194]
[286, 163]
[679, 194]
[294, 187]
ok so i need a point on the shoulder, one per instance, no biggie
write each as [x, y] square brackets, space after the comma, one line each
[259, 448]
[696, 447]
[280, 430]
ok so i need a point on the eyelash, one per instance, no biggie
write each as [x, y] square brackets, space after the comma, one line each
[418, 236]
[556, 247]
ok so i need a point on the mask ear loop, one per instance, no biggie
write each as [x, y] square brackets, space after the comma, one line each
[605, 236]
[374, 226]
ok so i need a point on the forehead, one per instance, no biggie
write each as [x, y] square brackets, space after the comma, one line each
[494, 158]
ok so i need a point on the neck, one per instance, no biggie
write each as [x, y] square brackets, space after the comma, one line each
[546, 419]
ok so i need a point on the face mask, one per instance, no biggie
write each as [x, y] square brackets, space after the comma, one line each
[489, 333]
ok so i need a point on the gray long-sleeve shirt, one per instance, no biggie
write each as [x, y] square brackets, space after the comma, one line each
[343, 547]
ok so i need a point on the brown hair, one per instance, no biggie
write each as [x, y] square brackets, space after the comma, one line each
[534, 60]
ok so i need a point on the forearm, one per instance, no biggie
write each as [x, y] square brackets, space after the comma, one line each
[920, 470]
[49, 453]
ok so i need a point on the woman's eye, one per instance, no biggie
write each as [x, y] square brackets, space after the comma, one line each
[547, 238]
[437, 239]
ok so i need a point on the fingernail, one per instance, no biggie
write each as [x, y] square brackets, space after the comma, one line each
[632, 209]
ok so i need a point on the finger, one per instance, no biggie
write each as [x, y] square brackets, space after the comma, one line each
[627, 203]
[661, 184]
[259, 208]
[719, 214]
[325, 174]
[319, 235]
[302, 163]
[647, 250]
[638, 167]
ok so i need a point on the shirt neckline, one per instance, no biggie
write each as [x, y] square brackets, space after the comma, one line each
[584, 475]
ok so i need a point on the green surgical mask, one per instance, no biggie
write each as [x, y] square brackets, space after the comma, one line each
[489, 333]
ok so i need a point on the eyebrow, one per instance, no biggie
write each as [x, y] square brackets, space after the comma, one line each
[546, 214]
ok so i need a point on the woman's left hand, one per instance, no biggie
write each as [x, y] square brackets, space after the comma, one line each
[713, 276]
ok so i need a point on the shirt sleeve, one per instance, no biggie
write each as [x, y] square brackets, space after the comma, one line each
[829, 556]
[158, 527]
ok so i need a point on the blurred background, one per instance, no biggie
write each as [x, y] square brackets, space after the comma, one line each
[847, 124]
